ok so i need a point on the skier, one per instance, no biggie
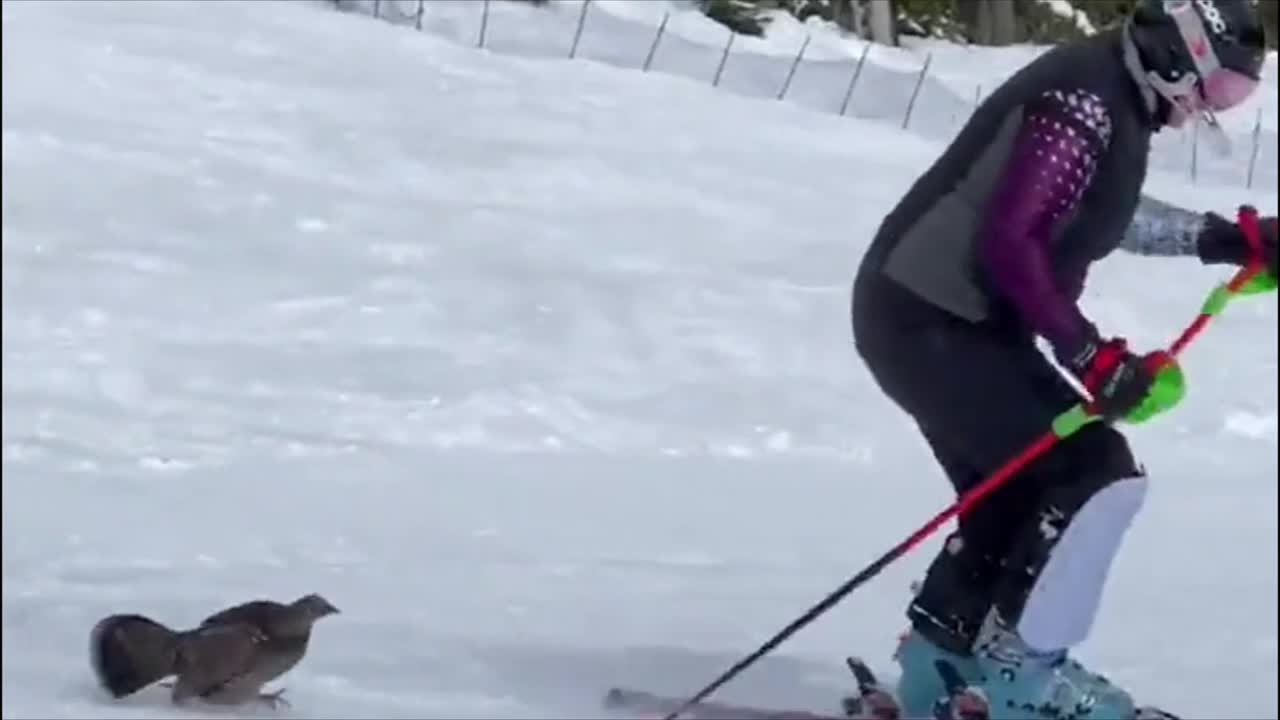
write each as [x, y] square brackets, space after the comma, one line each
[989, 249]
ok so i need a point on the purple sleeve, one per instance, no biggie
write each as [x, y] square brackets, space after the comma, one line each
[1062, 136]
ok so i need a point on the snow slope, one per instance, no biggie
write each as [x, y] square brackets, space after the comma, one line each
[622, 32]
[539, 370]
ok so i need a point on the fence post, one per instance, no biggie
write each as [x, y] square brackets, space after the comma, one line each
[653, 48]
[915, 93]
[1195, 150]
[724, 58]
[1257, 147]
[377, 8]
[853, 81]
[577, 35]
[794, 64]
[417, 23]
[484, 23]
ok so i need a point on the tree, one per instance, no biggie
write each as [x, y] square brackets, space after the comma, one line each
[982, 22]
[1269, 10]
[881, 24]
[843, 14]
[740, 16]
[989, 22]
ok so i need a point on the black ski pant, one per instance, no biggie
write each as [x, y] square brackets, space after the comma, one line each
[980, 393]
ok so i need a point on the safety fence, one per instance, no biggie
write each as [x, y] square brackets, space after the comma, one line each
[915, 100]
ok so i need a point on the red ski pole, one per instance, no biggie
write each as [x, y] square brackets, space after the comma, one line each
[1064, 426]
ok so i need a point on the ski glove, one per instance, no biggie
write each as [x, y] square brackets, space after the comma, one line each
[1224, 241]
[1124, 385]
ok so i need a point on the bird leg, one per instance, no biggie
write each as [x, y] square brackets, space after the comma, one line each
[274, 699]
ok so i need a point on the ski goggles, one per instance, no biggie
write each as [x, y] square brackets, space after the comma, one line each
[1224, 89]
[1226, 76]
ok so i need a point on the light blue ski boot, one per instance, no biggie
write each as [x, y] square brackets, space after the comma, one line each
[1021, 682]
[921, 683]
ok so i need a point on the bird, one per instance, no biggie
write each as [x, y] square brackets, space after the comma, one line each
[225, 660]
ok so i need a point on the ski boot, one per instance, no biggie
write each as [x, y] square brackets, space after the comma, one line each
[1021, 682]
[929, 673]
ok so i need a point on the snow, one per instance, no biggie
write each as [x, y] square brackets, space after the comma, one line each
[622, 33]
[539, 370]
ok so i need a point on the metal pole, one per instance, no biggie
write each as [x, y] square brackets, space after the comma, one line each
[653, 48]
[794, 64]
[484, 23]
[724, 58]
[577, 35]
[906, 119]
[853, 81]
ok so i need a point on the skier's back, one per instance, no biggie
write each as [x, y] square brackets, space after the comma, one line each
[989, 249]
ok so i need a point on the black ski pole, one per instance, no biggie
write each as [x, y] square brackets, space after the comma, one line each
[870, 571]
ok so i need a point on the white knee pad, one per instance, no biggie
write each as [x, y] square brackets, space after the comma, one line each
[1059, 609]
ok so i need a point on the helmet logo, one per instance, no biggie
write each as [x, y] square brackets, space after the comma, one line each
[1212, 16]
[1192, 20]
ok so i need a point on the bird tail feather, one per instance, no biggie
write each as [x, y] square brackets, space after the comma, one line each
[130, 652]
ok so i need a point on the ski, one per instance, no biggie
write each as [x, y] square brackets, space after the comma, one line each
[1147, 712]
[651, 705]
[871, 702]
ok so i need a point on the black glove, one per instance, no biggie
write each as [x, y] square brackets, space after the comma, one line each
[1222, 241]
[1118, 380]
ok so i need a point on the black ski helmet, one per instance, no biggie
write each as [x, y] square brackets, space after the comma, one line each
[1233, 27]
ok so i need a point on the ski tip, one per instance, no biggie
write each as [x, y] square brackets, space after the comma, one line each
[639, 703]
[861, 672]
[614, 698]
[872, 702]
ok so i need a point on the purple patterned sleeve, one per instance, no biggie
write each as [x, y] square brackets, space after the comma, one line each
[1062, 136]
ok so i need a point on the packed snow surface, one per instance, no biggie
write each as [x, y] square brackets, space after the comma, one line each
[540, 370]
[837, 72]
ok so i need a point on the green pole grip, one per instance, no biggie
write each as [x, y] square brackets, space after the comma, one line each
[1216, 301]
[1070, 422]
